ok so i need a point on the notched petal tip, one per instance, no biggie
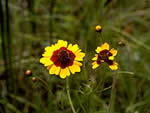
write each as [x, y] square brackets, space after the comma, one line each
[105, 46]
[95, 58]
[114, 66]
[113, 51]
[94, 65]
[64, 72]
[98, 49]
[79, 56]
[62, 43]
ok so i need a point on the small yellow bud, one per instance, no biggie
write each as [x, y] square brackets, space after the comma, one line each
[98, 28]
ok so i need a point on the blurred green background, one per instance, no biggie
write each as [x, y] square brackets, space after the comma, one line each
[28, 26]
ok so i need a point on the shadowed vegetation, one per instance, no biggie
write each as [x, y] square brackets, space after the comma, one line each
[28, 26]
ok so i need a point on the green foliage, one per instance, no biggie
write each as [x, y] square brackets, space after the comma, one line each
[33, 27]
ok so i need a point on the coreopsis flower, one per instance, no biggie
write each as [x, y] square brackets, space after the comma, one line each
[62, 59]
[105, 55]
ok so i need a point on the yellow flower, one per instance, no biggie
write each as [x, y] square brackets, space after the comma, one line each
[105, 55]
[98, 28]
[62, 59]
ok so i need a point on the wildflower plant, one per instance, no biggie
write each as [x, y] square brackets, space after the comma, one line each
[105, 55]
[62, 59]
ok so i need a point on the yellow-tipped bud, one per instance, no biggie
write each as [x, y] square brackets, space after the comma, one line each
[98, 28]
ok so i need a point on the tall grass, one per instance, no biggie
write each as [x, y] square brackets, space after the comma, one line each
[7, 47]
[28, 26]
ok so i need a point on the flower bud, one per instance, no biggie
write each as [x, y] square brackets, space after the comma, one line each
[34, 79]
[98, 28]
[28, 72]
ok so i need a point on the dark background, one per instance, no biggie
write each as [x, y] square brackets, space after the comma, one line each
[28, 26]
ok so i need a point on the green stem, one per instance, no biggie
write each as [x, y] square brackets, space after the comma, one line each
[4, 48]
[112, 93]
[105, 89]
[45, 84]
[32, 13]
[51, 19]
[69, 97]
[100, 36]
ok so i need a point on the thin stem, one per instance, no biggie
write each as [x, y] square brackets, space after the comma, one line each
[84, 63]
[69, 97]
[126, 72]
[105, 89]
[112, 92]
[31, 5]
[51, 19]
[11, 75]
[99, 38]
[45, 84]
[2, 27]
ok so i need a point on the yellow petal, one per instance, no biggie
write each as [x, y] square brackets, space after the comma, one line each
[64, 72]
[77, 63]
[48, 67]
[48, 48]
[46, 61]
[78, 51]
[79, 56]
[73, 48]
[98, 49]
[69, 46]
[95, 58]
[105, 46]
[114, 66]
[74, 68]
[114, 52]
[111, 58]
[47, 54]
[49, 51]
[52, 70]
[94, 65]
[57, 71]
[68, 71]
[62, 43]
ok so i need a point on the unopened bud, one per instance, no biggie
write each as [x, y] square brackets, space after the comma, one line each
[34, 79]
[28, 72]
[98, 28]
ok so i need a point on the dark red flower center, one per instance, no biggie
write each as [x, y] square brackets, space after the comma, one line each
[104, 56]
[63, 57]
